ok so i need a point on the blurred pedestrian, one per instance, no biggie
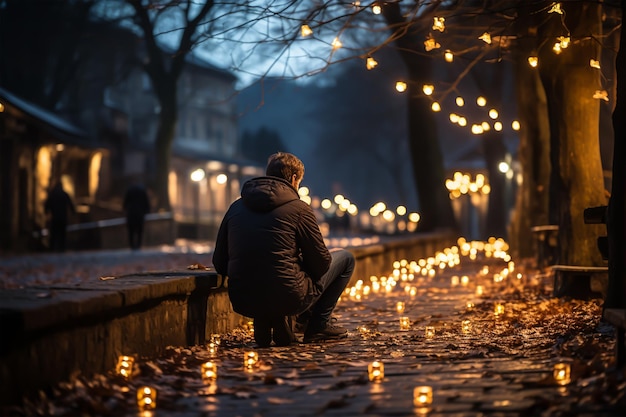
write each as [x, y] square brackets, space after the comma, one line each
[136, 205]
[57, 206]
[270, 246]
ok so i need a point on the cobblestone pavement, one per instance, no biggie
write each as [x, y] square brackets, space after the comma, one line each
[498, 365]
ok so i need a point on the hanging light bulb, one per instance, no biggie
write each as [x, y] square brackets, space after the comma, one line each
[485, 37]
[481, 101]
[435, 106]
[533, 61]
[376, 9]
[401, 86]
[460, 102]
[371, 63]
[448, 56]
[515, 125]
[336, 43]
[430, 44]
[594, 64]
[563, 41]
[493, 113]
[428, 89]
[556, 8]
[439, 24]
[305, 31]
[497, 126]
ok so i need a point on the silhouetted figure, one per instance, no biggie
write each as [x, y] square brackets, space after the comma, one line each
[57, 206]
[136, 205]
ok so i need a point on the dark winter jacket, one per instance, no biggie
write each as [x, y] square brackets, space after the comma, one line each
[270, 246]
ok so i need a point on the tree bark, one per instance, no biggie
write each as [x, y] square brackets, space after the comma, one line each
[426, 156]
[576, 177]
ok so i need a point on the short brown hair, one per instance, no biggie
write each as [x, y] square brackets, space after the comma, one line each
[284, 165]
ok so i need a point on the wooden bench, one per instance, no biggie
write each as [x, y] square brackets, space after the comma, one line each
[546, 239]
[617, 317]
[575, 280]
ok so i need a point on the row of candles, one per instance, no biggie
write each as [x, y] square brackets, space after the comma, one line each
[403, 271]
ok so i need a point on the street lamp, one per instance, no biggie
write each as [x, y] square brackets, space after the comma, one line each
[197, 176]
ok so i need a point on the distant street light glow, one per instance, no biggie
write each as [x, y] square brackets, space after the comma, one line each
[197, 175]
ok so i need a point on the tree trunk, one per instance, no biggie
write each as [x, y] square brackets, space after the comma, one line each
[616, 223]
[428, 168]
[163, 145]
[576, 177]
[531, 204]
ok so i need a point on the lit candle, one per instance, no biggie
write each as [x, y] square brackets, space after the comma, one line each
[250, 359]
[125, 366]
[561, 373]
[405, 324]
[400, 307]
[376, 371]
[498, 309]
[422, 396]
[146, 398]
[466, 326]
[429, 332]
[209, 371]
[216, 338]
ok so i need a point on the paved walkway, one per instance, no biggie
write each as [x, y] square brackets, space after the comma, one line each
[501, 366]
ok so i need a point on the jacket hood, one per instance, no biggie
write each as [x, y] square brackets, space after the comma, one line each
[264, 194]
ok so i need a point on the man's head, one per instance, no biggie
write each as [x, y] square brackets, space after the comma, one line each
[287, 166]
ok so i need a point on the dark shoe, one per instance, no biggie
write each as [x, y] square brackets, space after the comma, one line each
[282, 331]
[263, 331]
[326, 331]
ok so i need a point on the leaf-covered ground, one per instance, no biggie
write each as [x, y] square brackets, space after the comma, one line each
[502, 365]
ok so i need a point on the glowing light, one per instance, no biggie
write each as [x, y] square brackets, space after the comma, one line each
[454, 118]
[376, 371]
[481, 101]
[336, 44]
[401, 86]
[414, 217]
[439, 24]
[503, 167]
[197, 175]
[533, 61]
[556, 8]
[146, 398]
[515, 125]
[436, 107]
[376, 9]
[221, 179]
[448, 56]
[460, 102]
[428, 89]
[485, 37]
[477, 129]
[493, 113]
[209, 371]
[1, 107]
[430, 44]
[601, 95]
[557, 48]
[561, 373]
[486, 126]
[401, 210]
[371, 63]
[563, 41]
[422, 396]
[497, 126]
[462, 121]
[594, 64]
[326, 204]
[305, 31]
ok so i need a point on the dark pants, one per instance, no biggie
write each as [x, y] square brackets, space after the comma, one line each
[334, 281]
[134, 224]
[58, 230]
